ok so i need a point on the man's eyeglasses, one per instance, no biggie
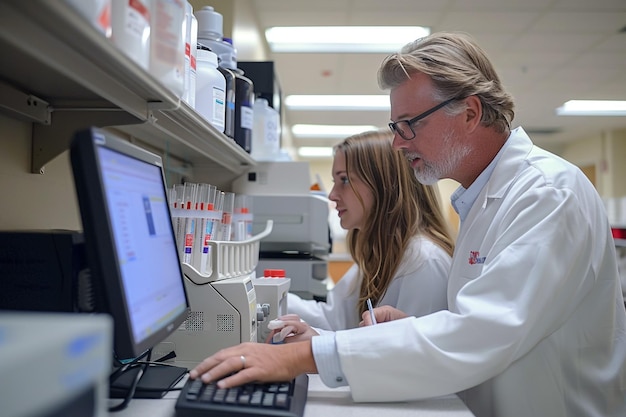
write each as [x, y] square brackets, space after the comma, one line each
[405, 127]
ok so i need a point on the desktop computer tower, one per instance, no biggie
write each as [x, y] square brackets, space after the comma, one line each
[40, 270]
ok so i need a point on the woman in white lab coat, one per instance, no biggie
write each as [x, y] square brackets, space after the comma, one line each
[397, 236]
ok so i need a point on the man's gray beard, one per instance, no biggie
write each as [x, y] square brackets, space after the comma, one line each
[430, 173]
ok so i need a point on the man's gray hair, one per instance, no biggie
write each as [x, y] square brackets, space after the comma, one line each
[458, 67]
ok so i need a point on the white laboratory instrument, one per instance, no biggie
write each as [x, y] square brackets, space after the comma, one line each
[271, 295]
[223, 303]
[55, 364]
[299, 243]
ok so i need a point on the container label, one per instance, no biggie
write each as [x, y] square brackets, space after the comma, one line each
[104, 19]
[137, 20]
[219, 106]
[247, 117]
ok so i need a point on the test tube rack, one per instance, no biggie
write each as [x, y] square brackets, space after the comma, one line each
[230, 259]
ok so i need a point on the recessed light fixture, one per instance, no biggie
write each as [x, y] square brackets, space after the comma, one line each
[342, 39]
[328, 131]
[315, 151]
[359, 102]
[592, 108]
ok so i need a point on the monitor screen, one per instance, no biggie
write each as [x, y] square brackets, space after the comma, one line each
[129, 240]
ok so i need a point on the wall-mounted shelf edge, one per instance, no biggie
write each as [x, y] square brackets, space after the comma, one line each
[59, 58]
[23, 106]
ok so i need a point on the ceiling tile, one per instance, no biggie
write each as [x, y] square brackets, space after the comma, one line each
[555, 42]
[579, 22]
[487, 22]
[616, 44]
[500, 5]
[590, 6]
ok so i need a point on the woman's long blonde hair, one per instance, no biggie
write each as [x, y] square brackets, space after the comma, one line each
[402, 209]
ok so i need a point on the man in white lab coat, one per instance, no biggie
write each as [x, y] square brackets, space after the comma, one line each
[537, 325]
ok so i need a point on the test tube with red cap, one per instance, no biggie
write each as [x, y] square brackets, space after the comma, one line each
[242, 218]
[204, 231]
[190, 198]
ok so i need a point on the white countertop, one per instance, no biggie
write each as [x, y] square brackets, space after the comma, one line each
[323, 401]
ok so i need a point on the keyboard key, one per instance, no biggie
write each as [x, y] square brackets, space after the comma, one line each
[268, 399]
[257, 398]
[282, 401]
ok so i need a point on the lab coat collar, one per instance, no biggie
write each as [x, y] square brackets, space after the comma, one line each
[510, 158]
[491, 183]
[514, 155]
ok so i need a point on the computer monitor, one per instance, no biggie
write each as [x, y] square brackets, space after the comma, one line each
[129, 240]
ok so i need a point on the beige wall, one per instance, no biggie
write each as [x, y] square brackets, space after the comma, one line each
[33, 201]
[616, 166]
[607, 152]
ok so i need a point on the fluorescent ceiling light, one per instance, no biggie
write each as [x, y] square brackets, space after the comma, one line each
[592, 108]
[315, 151]
[338, 102]
[328, 131]
[347, 39]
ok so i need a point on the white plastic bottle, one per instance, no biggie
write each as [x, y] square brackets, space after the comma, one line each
[130, 25]
[96, 12]
[191, 41]
[193, 69]
[210, 89]
[167, 44]
[265, 132]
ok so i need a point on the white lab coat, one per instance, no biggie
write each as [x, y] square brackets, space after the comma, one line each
[419, 287]
[536, 325]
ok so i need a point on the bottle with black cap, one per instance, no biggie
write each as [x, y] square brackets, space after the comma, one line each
[240, 114]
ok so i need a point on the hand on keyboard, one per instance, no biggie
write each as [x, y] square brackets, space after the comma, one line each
[275, 399]
[256, 362]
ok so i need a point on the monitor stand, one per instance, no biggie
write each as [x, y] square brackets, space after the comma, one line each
[155, 382]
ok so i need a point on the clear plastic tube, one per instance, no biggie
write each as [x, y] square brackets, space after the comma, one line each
[227, 215]
[190, 201]
[242, 218]
[202, 258]
[176, 201]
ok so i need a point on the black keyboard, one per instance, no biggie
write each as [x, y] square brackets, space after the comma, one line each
[280, 399]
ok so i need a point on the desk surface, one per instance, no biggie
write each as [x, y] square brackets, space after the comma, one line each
[323, 401]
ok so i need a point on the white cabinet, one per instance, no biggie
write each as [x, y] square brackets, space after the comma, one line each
[63, 75]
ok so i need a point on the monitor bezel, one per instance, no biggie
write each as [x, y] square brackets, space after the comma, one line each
[106, 276]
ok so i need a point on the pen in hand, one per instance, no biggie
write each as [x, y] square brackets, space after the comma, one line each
[371, 309]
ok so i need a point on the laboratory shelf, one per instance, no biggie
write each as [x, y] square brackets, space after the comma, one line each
[61, 74]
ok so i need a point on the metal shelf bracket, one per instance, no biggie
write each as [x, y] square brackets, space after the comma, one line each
[50, 140]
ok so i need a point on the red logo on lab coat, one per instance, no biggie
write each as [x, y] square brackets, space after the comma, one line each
[475, 258]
